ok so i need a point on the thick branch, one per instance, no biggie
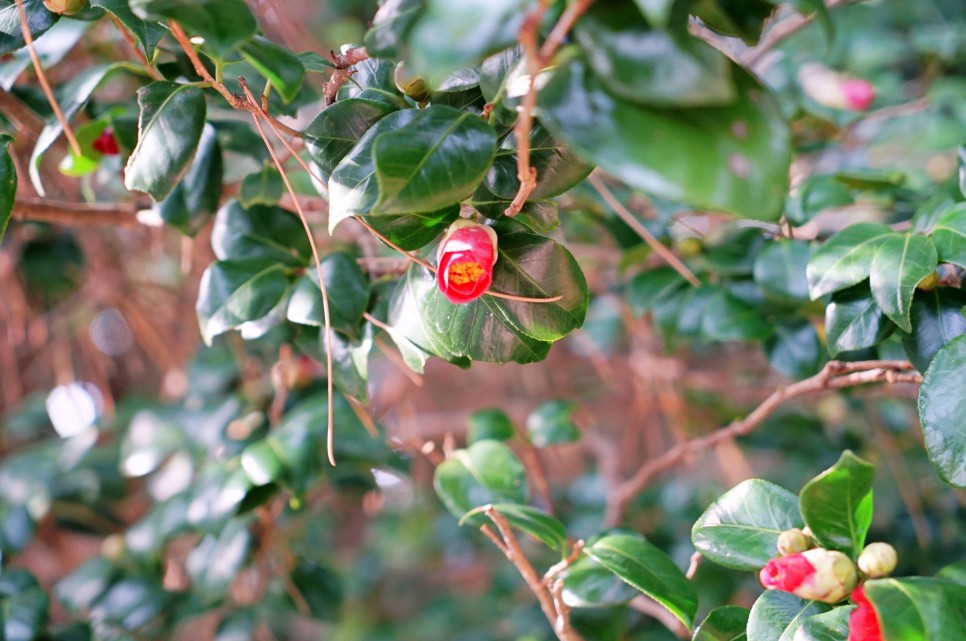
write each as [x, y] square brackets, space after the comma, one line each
[835, 375]
[43, 210]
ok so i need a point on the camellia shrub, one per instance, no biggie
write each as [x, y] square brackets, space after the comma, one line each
[717, 210]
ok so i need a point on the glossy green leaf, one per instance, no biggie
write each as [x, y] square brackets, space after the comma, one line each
[170, 125]
[837, 504]
[942, 412]
[918, 608]
[486, 472]
[489, 423]
[854, 321]
[552, 423]
[727, 623]
[374, 80]
[795, 349]
[386, 37]
[416, 230]
[262, 187]
[348, 290]
[259, 231]
[829, 626]
[780, 269]
[337, 128]
[558, 168]
[900, 262]
[541, 216]
[8, 182]
[845, 259]
[741, 151]
[278, 65]
[652, 66]
[537, 523]
[431, 162]
[728, 318]
[495, 329]
[224, 24]
[949, 236]
[777, 615]
[233, 292]
[740, 530]
[147, 32]
[450, 35]
[648, 289]
[642, 565]
[197, 196]
[217, 559]
[38, 18]
[496, 73]
[588, 584]
[937, 318]
[71, 96]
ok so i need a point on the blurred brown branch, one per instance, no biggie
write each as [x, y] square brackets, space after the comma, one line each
[75, 214]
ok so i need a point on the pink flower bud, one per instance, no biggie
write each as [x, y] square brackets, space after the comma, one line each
[816, 574]
[859, 93]
[464, 261]
[863, 622]
[835, 90]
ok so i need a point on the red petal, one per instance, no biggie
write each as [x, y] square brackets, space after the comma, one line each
[786, 573]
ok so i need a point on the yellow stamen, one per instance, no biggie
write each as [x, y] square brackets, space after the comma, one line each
[463, 273]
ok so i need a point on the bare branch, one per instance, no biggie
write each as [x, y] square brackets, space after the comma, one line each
[43, 210]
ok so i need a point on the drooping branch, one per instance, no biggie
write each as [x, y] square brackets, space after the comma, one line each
[835, 375]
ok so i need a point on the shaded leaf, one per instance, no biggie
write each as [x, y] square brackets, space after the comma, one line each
[900, 262]
[558, 168]
[949, 236]
[937, 318]
[338, 127]
[650, 288]
[829, 626]
[489, 423]
[263, 187]
[386, 37]
[854, 321]
[837, 504]
[259, 231]
[196, 197]
[552, 423]
[918, 608]
[148, 33]
[795, 349]
[234, 292]
[942, 412]
[780, 269]
[224, 24]
[728, 318]
[278, 65]
[348, 290]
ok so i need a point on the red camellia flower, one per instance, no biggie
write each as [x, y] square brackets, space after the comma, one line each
[863, 622]
[465, 260]
[106, 143]
[786, 573]
[817, 574]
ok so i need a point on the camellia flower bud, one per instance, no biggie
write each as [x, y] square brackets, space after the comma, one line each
[464, 261]
[65, 7]
[863, 622]
[835, 90]
[411, 85]
[878, 560]
[106, 143]
[793, 541]
[816, 574]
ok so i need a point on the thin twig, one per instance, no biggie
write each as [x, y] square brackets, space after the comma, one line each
[625, 215]
[835, 375]
[42, 78]
[693, 565]
[554, 570]
[342, 72]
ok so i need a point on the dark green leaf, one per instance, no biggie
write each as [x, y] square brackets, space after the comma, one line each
[278, 65]
[743, 19]
[735, 255]
[169, 128]
[196, 198]
[259, 231]
[647, 568]
[335, 131]
[8, 182]
[558, 169]
[845, 259]
[537, 523]
[373, 80]
[494, 75]
[830, 626]
[541, 216]
[949, 236]
[853, 321]
[918, 609]
[148, 33]
[489, 423]
[348, 292]
[263, 187]
[431, 162]
[727, 318]
[900, 262]
[415, 230]
[727, 623]
[795, 349]
[652, 66]
[321, 588]
[390, 27]
[38, 19]
[780, 269]
[648, 289]
[942, 412]
[486, 472]
[552, 423]
[224, 24]
[777, 615]
[837, 504]
[588, 584]
[233, 292]
[937, 318]
[740, 530]
[449, 35]
[741, 151]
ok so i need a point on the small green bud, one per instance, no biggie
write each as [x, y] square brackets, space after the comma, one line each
[878, 560]
[65, 7]
[793, 541]
[413, 86]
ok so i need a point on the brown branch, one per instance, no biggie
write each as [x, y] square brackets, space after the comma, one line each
[625, 215]
[835, 375]
[342, 72]
[530, 458]
[43, 210]
[42, 78]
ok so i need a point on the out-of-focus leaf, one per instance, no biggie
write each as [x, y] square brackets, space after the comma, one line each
[937, 318]
[224, 24]
[942, 412]
[8, 182]
[278, 65]
[949, 236]
[552, 423]
[727, 318]
[38, 19]
[386, 37]
[489, 423]
[795, 349]
[780, 269]
[196, 197]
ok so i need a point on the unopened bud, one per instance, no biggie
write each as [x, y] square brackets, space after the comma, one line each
[413, 86]
[65, 7]
[878, 560]
[835, 90]
[793, 541]
[817, 575]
